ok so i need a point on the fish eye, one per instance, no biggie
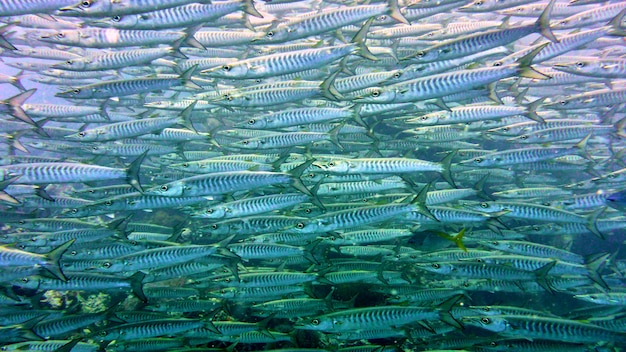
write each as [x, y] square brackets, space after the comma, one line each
[497, 63]
[376, 93]
[226, 68]
[300, 225]
[209, 211]
[478, 3]
[484, 205]
[435, 265]
[580, 64]
[524, 136]
[117, 18]
[214, 226]
[397, 75]
[315, 322]
[421, 54]
[495, 243]
[25, 280]
[69, 62]
[424, 118]
[74, 211]
[485, 320]
[185, 165]
[270, 34]
[85, 4]
[81, 134]
[164, 188]
[60, 35]
[76, 91]
[563, 102]
[308, 211]
[108, 202]
[244, 142]
[478, 160]
[251, 122]
[332, 163]
[107, 264]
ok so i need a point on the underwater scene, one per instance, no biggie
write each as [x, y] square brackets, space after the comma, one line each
[312, 175]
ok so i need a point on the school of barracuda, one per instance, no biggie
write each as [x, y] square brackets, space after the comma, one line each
[312, 175]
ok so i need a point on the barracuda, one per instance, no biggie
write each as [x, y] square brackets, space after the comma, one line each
[45, 173]
[443, 84]
[545, 328]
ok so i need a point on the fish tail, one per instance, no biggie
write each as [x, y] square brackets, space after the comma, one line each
[334, 133]
[16, 81]
[524, 68]
[395, 13]
[53, 258]
[532, 110]
[479, 187]
[616, 24]
[16, 102]
[328, 89]
[445, 314]
[592, 223]
[359, 40]
[541, 276]
[191, 40]
[132, 173]
[186, 76]
[4, 196]
[446, 163]
[185, 117]
[248, 7]
[544, 23]
[594, 265]
[420, 202]
[174, 50]
[136, 284]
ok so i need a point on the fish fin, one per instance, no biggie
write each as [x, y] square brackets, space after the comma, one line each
[333, 133]
[185, 117]
[328, 89]
[446, 163]
[16, 102]
[248, 7]
[185, 78]
[132, 173]
[544, 22]
[493, 95]
[595, 264]
[53, 258]
[479, 187]
[359, 40]
[532, 110]
[16, 81]
[524, 68]
[189, 38]
[136, 284]
[4, 196]
[616, 24]
[395, 13]
[445, 314]
[174, 50]
[4, 43]
[541, 274]
[592, 222]
[420, 202]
